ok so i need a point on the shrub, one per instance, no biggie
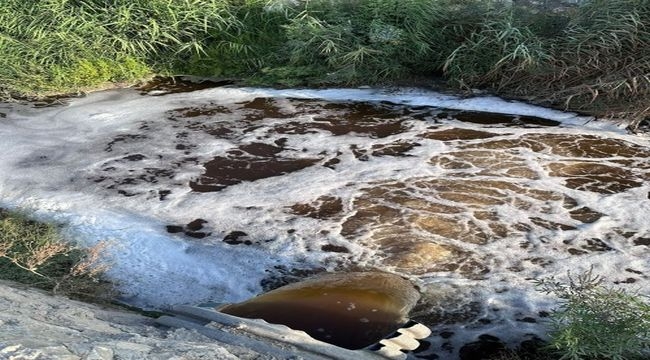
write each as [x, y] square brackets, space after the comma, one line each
[598, 322]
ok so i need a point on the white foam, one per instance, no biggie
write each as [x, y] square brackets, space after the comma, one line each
[416, 97]
[53, 159]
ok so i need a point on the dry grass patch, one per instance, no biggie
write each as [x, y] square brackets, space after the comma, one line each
[36, 254]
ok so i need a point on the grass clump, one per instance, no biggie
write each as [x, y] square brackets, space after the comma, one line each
[598, 322]
[35, 254]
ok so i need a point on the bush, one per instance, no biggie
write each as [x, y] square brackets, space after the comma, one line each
[598, 322]
[35, 254]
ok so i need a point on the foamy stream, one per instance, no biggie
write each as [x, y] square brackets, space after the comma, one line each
[205, 196]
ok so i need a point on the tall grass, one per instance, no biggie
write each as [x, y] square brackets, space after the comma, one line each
[252, 40]
[594, 57]
[367, 41]
[62, 45]
[59, 45]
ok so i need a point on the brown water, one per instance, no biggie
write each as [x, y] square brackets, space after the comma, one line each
[426, 225]
[417, 225]
[258, 160]
[351, 310]
[178, 84]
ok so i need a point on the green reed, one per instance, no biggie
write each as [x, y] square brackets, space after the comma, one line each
[593, 58]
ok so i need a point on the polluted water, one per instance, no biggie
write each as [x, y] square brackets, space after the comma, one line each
[351, 310]
[218, 194]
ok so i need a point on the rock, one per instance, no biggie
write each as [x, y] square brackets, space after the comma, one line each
[37, 325]
[100, 353]
[486, 347]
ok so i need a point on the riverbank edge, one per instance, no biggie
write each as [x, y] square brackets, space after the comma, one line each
[436, 84]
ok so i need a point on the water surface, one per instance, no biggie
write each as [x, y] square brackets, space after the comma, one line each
[212, 194]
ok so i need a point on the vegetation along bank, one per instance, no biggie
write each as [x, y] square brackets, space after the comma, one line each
[593, 57]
